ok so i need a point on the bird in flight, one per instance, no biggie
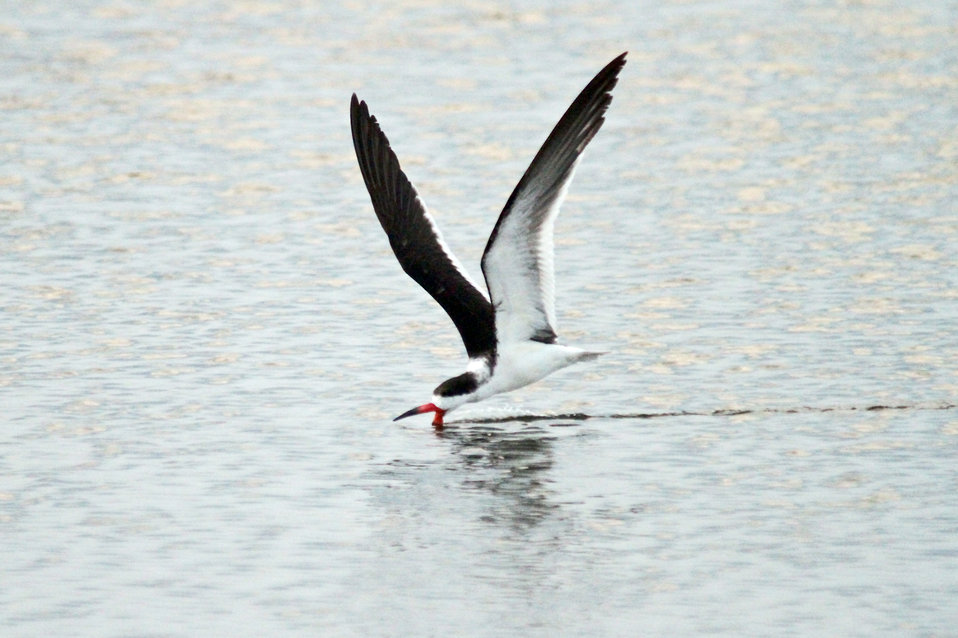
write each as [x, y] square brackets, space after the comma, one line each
[509, 335]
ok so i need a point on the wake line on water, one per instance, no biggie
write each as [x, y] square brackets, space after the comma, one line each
[581, 416]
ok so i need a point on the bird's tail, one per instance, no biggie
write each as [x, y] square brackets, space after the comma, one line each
[590, 356]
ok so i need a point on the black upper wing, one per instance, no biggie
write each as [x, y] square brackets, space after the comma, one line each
[414, 236]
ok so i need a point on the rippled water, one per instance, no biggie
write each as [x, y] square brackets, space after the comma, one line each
[204, 335]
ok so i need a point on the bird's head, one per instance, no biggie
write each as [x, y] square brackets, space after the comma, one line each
[448, 396]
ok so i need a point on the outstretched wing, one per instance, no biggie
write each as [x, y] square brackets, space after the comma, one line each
[518, 260]
[414, 236]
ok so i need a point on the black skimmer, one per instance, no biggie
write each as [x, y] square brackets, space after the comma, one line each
[510, 336]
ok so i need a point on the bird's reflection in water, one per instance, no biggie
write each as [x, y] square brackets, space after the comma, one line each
[512, 465]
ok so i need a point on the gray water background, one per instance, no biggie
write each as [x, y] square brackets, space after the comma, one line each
[204, 335]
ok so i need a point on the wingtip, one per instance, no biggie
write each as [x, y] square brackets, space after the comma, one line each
[359, 114]
[617, 63]
[609, 75]
[355, 104]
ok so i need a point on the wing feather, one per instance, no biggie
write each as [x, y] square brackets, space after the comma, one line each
[518, 260]
[414, 237]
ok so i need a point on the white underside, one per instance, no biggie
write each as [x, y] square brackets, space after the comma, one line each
[517, 366]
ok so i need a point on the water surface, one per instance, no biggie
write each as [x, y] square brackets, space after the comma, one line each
[204, 335]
